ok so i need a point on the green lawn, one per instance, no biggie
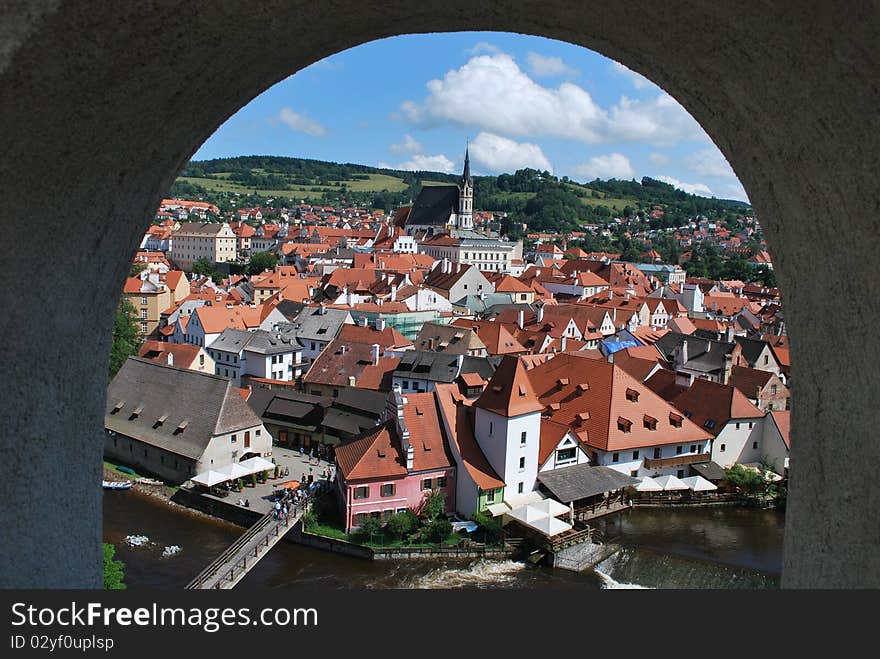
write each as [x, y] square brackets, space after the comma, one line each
[376, 183]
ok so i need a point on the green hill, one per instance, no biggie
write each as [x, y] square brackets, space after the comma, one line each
[538, 199]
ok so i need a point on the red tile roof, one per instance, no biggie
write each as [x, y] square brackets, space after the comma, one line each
[509, 392]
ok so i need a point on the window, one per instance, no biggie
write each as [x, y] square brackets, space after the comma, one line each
[680, 473]
[522, 463]
[360, 518]
[201, 360]
[649, 422]
[490, 496]
[773, 388]
[635, 455]
[623, 425]
[441, 481]
[615, 457]
[632, 395]
[362, 492]
[490, 427]
[766, 359]
[143, 299]
[257, 432]
[519, 488]
[751, 425]
[565, 454]
[675, 420]
[634, 473]
[387, 490]
[234, 438]
[678, 450]
[723, 447]
[754, 444]
[522, 438]
[694, 448]
[247, 438]
[737, 426]
[426, 484]
[143, 313]
[657, 452]
[143, 328]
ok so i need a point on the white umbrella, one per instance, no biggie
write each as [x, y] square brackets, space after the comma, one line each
[528, 514]
[551, 507]
[209, 478]
[671, 483]
[699, 484]
[256, 464]
[550, 526]
[648, 484]
[233, 470]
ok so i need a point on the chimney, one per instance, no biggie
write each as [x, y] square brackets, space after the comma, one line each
[683, 379]
[375, 348]
[394, 293]
[380, 324]
[459, 362]
[728, 334]
[362, 321]
[352, 381]
[562, 343]
[170, 359]
[521, 318]
[458, 267]
[684, 352]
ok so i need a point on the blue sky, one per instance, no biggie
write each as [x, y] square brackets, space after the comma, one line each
[413, 102]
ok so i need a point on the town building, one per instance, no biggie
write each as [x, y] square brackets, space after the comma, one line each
[214, 241]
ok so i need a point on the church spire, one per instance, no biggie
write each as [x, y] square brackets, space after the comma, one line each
[466, 174]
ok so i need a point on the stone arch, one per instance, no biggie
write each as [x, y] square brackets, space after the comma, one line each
[102, 105]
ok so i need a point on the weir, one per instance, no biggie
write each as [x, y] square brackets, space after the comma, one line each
[242, 555]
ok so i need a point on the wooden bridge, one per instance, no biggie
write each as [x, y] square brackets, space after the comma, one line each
[230, 567]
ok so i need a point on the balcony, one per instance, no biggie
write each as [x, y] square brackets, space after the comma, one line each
[678, 460]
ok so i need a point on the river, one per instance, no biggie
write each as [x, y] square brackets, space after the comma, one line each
[662, 548]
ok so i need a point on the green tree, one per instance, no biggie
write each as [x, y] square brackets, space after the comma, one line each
[403, 523]
[438, 529]
[137, 269]
[747, 480]
[262, 261]
[203, 267]
[434, 505]
[369, 528]
[114, 571]
[126, 339]
[487, 527]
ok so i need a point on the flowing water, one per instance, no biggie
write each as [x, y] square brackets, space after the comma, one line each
[665, 548]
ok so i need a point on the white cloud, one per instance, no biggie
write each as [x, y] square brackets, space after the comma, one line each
[690, 188]
[419, 162]
[658, 159]
[409, 145]
[735, 191]
[542, 66]
[612, 165]
[498, 154]
[709, 162]
[483, 47]
[301, 123]
[638, 80]
[492, 93]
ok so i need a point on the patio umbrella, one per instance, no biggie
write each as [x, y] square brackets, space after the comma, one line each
[233, 471]
[290, 485]
[648, 484]
[528, 514]
[551, 507]
[256, 464]
[699, 484]
[550, 526]
[669, 483]
[209, 478]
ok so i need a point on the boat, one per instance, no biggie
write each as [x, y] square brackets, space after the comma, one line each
[116, 485]
[125, 470]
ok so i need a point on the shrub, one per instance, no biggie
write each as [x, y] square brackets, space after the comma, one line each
[438, 529]
[402, 523]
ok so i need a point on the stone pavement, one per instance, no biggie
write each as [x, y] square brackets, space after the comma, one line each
[261, 497]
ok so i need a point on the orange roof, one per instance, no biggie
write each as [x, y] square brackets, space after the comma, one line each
[459, 419]
[509, 392]
[378, 377]
[783, 422]
[594, 400]
[387, 338]
[183, 354]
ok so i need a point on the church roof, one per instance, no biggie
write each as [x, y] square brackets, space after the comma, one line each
[434, 205]
[509, 392]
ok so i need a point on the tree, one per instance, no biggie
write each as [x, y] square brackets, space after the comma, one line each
[126, 337]
[137, 269]
[262, 261]
[747, 480]
[434, 505]
[114, 571]
[203, 267]
[402, 523]
[438, 529]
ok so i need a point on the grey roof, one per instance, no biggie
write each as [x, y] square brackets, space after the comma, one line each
[208, 404]
[264, 342]
[705, 355]
[199, 228]
[479, 304]
[751, 349]
[496, 309]
[434, 205]
[289, 308]
[442, 366]
[231, 340]
[711, 471]
[313, 324]
[186, 308]
[365, 401]
[581, 481]
[440, 337]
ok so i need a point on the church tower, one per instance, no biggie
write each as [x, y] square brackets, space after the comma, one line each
[466, 196]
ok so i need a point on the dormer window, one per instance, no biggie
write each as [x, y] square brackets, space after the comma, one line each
[649, 422]
[632, 395]
[675, 420]
[624, 425]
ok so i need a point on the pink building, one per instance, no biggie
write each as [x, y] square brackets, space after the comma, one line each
[396, 464]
